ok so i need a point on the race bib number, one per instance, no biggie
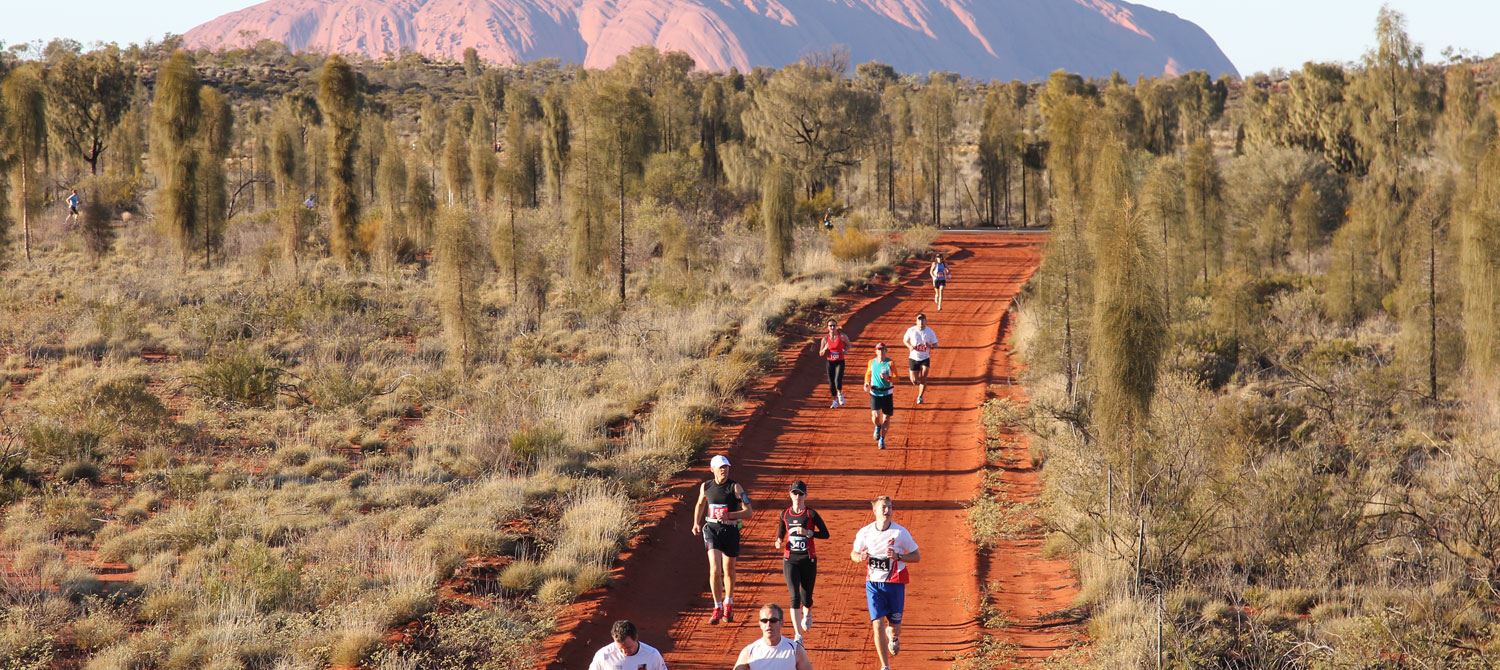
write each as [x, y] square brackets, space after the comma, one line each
[716, 511]
[796, 541]
[922, 346]
[881, 564]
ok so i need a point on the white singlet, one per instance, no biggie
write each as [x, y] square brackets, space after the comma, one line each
[762, 656]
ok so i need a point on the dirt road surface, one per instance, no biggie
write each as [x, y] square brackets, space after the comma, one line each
[933, 466]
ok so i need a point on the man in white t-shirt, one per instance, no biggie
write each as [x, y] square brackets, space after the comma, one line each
[919, 341]
[885, 547]
[627, 652]
[773, 651]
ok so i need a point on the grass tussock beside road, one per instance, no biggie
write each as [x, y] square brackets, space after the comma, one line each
[290, 466]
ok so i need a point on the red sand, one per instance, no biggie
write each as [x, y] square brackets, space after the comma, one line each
[933, 467]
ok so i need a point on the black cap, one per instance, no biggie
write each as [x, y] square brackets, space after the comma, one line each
[800, 486]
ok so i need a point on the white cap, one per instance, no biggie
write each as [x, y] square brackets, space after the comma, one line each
[718, 462]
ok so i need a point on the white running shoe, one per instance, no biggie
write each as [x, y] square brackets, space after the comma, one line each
[895, 646]
[807, 620]
[833, 404]
[841, 398]
[919, 400]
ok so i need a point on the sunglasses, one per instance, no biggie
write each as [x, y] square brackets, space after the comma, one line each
[798, 493]
[769, 620]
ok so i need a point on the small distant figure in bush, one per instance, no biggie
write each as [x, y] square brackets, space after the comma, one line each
[627, 652]
[827, 219]
[74, 202]
[311, 202]
[722, 503]
[940, 273]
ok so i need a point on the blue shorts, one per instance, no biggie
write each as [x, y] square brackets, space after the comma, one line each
[885, 600]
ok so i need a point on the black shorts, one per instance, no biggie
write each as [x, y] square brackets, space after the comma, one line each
[914, 364]
[722, 536]
[884, 403]
[939, 283]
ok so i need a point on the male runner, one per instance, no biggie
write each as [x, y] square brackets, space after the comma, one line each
[722, 503]
[833, 347]
[880, 383]
[885, 547]
[940, 272]
[772, 651]
[73, 203]
[919, 341]
[627, 652]
[796, 528]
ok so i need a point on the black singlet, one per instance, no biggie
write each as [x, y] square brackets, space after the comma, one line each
[721, 500]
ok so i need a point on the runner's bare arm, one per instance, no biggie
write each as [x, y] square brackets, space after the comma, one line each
[742, 663]
[914, 557]
[698, 510]
[804, 662]
[745, 511]
[780, 529]
[822, 347]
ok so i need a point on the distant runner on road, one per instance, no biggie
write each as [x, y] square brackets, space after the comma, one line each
[880, 383]
[885, 547]
[834, 348]
[772, 651]
[940, 272]
[920, 341]
[722, 503]
[627, 652]
[796, 529]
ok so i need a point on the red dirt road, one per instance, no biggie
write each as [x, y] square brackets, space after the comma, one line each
[933, 467]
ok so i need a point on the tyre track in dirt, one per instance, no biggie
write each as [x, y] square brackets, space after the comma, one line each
[786, 431]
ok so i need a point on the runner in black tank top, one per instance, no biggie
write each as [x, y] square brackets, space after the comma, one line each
[796, 530]
[722, 503]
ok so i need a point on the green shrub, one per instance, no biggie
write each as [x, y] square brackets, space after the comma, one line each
[529, 445]
[238, 376]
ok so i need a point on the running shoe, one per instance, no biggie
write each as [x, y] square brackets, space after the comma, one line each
[877, 433]
[841, 398]
[880, 442]
[807, 620]
[717, 616]
[833, 404]
[919, 400]
[895, 645]
[728, 612]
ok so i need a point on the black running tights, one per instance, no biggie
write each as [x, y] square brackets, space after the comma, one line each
[800, 575]
[836, 377]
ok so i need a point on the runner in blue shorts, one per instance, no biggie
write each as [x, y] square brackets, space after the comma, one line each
[885, 547]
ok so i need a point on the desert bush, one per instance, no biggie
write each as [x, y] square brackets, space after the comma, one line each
[238, 375]
[854, 245]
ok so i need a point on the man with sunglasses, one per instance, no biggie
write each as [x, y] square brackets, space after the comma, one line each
[772, 651]
[880, 383]
[722, 503]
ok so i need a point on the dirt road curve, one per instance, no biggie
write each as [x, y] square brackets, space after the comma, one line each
[932, 467]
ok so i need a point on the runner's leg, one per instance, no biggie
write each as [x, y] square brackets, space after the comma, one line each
[714, 568]
[728, 570]
[881, 642]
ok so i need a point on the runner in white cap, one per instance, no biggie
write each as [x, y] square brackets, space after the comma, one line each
[722, 503]
[772, 651]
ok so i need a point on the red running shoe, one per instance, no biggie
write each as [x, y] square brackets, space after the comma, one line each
[717, 616]
[728, 612]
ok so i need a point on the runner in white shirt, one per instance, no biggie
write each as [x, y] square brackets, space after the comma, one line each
[919, 341]
[773, 651]
[885, 547]
[627, 652]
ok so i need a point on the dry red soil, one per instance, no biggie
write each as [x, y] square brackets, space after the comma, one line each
[933, 466]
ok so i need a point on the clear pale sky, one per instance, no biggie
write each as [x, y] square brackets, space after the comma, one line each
[1257, 35]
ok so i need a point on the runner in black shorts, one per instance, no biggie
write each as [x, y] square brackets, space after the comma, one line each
[795, 530]
[722, 503]
[880, 384]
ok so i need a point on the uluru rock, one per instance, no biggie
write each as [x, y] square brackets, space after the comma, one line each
[989, 39]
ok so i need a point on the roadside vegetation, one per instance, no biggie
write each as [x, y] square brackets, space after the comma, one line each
[369, 364]
[1261, 368]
